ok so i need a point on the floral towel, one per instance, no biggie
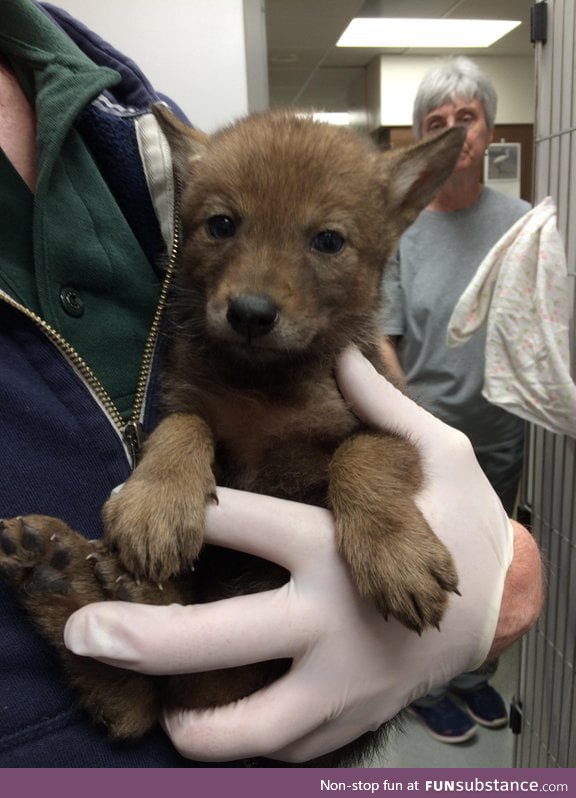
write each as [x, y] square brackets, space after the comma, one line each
[522, 287]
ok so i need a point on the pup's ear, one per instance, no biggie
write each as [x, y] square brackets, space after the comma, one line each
[186, 143]
[414, 174]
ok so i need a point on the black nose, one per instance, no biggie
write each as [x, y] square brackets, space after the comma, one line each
[252, 315]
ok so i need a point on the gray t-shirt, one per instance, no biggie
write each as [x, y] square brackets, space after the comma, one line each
[438, 256]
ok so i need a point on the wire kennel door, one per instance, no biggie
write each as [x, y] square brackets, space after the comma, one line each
[547, 693]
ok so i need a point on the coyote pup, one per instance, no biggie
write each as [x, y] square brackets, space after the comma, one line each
[286, 227]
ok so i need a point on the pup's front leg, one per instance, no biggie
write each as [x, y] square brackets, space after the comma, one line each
[54, 571]
[157, 520]
[395, 558]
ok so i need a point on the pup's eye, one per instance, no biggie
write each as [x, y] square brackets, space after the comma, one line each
[329, 242]
[221, 226]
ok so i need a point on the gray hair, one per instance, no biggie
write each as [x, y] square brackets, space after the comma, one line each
[454, 78]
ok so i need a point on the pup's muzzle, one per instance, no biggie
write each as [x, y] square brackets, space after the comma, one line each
[252, 315]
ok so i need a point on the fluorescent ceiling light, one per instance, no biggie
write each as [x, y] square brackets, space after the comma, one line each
[393, 32]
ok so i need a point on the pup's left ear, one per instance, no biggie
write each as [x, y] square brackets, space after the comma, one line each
[413, 175]
[186, 143]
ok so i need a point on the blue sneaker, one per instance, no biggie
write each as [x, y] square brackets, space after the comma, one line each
[445, 721]
[485, 705]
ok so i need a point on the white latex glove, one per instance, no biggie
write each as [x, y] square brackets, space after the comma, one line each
[351, 670]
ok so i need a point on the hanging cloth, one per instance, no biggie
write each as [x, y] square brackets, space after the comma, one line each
[522, 289]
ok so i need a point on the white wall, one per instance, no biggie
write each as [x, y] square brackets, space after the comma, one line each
[256, 53]
[393, 81]
[192, 50]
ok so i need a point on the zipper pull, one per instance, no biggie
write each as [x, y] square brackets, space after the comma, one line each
[134, 439]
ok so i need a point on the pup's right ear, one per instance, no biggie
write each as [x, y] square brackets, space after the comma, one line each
[414, 174]
[186, 143]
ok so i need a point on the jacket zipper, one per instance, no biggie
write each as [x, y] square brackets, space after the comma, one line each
[131, 433]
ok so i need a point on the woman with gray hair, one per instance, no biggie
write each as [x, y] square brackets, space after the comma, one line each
[437, 257]
[455, 78]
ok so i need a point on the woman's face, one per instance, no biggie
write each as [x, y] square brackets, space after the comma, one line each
[470, 115]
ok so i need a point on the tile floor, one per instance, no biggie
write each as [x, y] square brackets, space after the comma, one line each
[490, 748]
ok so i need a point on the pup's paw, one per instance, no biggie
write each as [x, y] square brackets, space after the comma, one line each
[54, 572]
[395, 558]
[157, 529]
[48, 565]
[407, 573]
[119, 585]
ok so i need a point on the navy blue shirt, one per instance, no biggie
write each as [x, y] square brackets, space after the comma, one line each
[61, 452]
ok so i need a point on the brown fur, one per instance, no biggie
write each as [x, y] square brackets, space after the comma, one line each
[253, 403]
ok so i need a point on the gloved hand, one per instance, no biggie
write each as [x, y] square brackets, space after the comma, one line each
[351, 669]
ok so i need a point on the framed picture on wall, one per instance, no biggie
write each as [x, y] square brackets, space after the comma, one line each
[503, 161]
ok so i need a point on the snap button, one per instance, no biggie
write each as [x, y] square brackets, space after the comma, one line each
[72, 302]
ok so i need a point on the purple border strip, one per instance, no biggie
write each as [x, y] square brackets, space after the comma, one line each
[283, 783]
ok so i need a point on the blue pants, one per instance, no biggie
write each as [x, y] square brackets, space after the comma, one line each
[463, 682]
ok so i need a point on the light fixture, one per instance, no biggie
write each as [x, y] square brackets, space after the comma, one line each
[381, 32]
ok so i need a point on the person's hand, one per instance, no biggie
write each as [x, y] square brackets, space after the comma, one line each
[462, 515]
[351, 669]
[523, 593]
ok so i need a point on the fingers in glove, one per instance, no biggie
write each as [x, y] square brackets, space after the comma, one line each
[377, 402]
[285, 532]
[174, 639]
[264, 724]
